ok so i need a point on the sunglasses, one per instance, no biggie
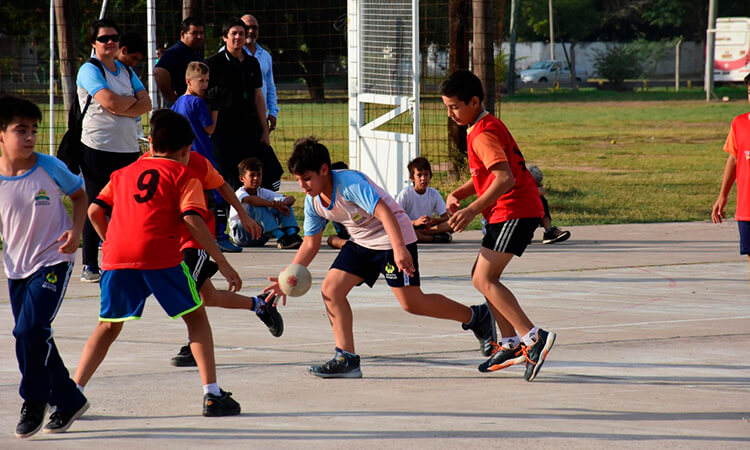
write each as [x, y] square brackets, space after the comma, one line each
[108, 37]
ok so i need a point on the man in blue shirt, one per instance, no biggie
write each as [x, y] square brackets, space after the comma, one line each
[266, 68]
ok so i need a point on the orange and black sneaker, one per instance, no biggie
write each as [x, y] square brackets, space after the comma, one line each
[502, 357]
[220, 405]
[536, 354]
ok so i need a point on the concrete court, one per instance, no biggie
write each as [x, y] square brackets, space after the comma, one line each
[653, 334]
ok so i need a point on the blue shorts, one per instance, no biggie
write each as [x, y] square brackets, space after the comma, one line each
[744, 226]
[368, 264]
[124, 292]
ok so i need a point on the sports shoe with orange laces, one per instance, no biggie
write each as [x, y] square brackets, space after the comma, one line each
[536, 354]
[502, 357]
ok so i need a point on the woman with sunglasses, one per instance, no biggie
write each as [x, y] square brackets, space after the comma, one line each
[109, 134]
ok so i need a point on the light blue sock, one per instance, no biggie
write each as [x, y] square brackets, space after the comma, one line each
[212, 388]
[277, 234]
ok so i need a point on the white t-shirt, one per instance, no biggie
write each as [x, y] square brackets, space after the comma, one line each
[263, 193]
[33, 217]
[354, 199]
[417, 205]
[101, 129]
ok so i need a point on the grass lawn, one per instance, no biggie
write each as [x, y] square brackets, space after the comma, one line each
[607, 157]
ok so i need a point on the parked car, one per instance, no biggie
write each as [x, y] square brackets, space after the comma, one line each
[549, 70]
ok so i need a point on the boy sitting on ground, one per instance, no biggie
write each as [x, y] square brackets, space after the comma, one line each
[270, 209]
[551, 234]
[424, 205]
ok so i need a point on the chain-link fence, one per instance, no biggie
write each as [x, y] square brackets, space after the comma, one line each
[307, 41]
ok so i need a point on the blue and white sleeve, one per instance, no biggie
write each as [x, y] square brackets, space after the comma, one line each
[314, 224]
[354, 187]
[56, 169]
[91, 78]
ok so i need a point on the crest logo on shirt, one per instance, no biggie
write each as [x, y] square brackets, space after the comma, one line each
[41, 198]
[747, 155]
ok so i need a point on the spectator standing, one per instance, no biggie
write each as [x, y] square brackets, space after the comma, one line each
[109, 134]
[241, 129]
[266, 67]
[169, 72]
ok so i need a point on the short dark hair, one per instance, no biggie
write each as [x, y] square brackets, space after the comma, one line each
[101, 23]
[170, 131]
[13, 108]
[419, 163]
[134, 42]
[191, 21]
[339, 165]
[462, 84]
[231, 23]
[308, 155]
[250, 164]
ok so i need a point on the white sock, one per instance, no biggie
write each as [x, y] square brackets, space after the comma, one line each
[212, 389]
[529, 339]
[80, 388]
[511, 342]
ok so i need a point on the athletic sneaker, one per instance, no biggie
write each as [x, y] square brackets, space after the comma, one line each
[555, 234]
[536, 354]
[442, 238]
[32, 415]
[60, 421]
[341, 366]
[502, 357]
[220, 405]
[184, 358]
[89, 275]
[227, 246]
[483, 325]
[288, 242]
[269, 314]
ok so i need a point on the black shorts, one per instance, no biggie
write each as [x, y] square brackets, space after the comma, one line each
[511, 236]
[369, 264]
[200, 265]
[744, 227]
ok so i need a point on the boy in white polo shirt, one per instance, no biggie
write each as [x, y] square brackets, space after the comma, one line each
[382, 241]
[424, 205]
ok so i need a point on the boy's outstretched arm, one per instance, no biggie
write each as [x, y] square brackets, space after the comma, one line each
[402, 256]
[199, 230]
[453, 200]
[730, 174]
[71, 238]
[247, 222]
[502, 183]
[305, 255]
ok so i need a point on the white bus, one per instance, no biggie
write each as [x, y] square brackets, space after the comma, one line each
[732, 52]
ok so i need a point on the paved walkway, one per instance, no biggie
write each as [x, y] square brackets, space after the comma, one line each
[653, 325]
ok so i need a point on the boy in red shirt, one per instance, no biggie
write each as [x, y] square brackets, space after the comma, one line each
[508, 199]
[151, 202]
[202, 268]
[737, 168]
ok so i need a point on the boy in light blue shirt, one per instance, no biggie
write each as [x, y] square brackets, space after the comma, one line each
[39, 245]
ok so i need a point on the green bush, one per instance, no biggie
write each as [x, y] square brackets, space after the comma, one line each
[618, 63]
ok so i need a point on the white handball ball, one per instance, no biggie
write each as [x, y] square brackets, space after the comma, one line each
[295, 280]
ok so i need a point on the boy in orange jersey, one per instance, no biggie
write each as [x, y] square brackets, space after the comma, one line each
[508, 199]
[202, 268]
[151, 202]
[737, 168]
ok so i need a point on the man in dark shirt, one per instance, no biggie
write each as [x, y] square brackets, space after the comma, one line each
[169, 72]
[235, 83]
[235, 91]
